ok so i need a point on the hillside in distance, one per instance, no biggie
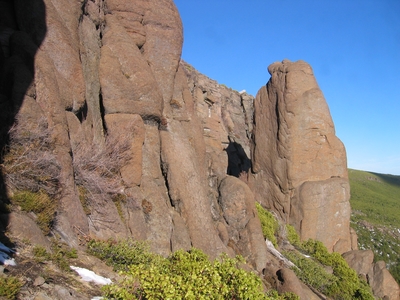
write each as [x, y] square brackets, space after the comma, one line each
[375, 202]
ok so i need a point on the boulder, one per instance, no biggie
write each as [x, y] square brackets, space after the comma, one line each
[382, 282]
[360, 260]
[244, 229]
[288, 282]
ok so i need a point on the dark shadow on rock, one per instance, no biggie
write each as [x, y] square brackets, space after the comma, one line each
[238, 162]
[22, 31]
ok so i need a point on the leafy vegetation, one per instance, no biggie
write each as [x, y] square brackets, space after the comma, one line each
[342, 284]
[61, 255]
[292, 235]
[375, 199]
[182, 275]
[9, 287]
[38, 203]
[269, 224]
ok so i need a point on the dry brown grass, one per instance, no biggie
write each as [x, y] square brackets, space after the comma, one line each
[29, 162]
[97, 168]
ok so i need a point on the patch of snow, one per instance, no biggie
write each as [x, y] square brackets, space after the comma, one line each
[97, 298]
[242, 92]
[89, 276]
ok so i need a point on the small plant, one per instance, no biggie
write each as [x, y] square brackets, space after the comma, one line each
[292, 235]
[84, 198]
[269, 224]
[61, 255]
[41, 254]
[119, 200]
[10, 287]
[38, 203]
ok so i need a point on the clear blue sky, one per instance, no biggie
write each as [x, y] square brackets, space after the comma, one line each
[353, 47]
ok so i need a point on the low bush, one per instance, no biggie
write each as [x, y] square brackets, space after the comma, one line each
[10, 287]
[39, 203]
[182, 275]
[292, 235]
[269, 224]
[60, 255]
[343, 284]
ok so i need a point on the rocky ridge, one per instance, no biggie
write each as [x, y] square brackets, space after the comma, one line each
[107, 81]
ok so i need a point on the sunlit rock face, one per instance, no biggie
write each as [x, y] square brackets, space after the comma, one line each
[101, 72]
[299, 165]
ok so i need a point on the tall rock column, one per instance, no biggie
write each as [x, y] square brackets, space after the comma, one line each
[299, 164]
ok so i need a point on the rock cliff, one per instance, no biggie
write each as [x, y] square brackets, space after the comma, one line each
[146, 147]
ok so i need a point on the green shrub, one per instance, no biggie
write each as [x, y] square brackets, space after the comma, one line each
[345, 285]
[61, 255]
[10, 287]
[121, 255]
[269, 224]
[183, 275]
[310, 272]
[40, 254]
[39, 203]
[292, 235]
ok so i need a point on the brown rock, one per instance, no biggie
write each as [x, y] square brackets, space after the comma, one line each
[360, 260]
[288, 282]
[323, 210]
[128, 127]
[382, 282]
[296, 150]
[24, 228]
[159, 220]
[239, 212]
[127, 82]
[180, 239]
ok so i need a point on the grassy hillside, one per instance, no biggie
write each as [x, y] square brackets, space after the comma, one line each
[375, 201]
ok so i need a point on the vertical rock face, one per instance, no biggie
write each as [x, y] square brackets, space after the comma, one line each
[299, 164]
[149, 148]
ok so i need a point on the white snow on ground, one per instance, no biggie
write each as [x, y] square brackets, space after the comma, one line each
[5, 258]
[89, 276]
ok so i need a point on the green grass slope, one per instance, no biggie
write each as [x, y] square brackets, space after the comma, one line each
[375, 201]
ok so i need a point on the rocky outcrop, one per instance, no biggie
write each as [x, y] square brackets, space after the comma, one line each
[148, 148]
[299, 164]
[376, 274]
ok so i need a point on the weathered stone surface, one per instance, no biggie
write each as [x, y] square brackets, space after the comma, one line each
[226, 119]
[288, 282]
[180, 239]
[382, 282]
[97, 71]
[239, 213]
[360, 260]
[156, 208]
[323, 210]
[24, 228]
[295, 150]
[90, 43]
[129, 128]
[127, 82]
